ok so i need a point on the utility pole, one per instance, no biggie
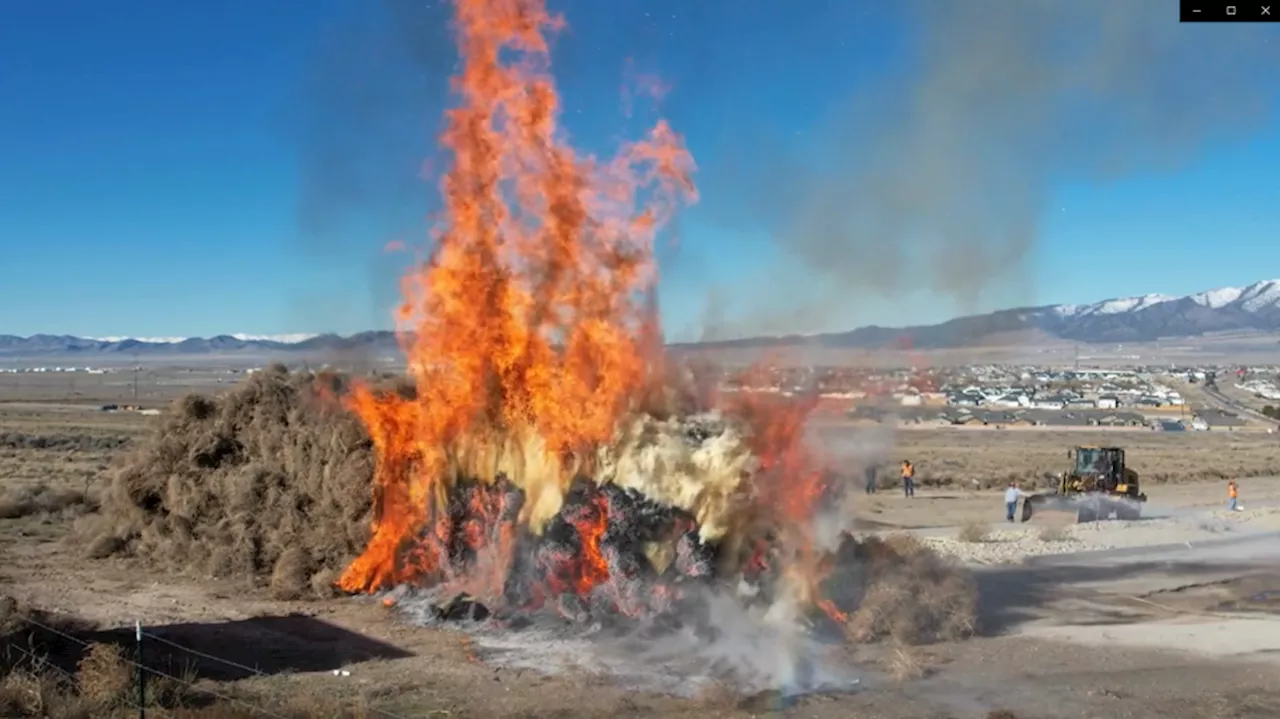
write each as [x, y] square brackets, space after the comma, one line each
[135, 377]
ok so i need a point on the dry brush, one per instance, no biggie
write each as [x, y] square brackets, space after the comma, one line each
[269, 481]
[984, 458]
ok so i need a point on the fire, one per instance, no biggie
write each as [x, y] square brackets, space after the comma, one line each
[532, 342]
[592, 569]
[526, 331]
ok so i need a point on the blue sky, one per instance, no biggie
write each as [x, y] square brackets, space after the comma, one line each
[175, 169]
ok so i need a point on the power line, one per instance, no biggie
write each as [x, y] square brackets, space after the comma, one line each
[202, 655]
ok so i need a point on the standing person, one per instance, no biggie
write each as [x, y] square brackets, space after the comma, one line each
[1011, 496]
[908, 479]
[871, 479]
[1233, 496]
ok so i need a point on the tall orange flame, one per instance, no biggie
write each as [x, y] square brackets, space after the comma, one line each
[525, 331]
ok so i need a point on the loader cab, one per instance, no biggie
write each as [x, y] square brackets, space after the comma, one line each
[1099, 468]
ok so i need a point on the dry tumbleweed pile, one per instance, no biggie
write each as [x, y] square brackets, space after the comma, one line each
[270, 480]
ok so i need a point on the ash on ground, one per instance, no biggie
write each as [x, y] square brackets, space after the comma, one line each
[749, 653]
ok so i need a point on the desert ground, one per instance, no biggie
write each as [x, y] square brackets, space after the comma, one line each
[1170, 616]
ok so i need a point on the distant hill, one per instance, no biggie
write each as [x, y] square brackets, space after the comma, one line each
[70, 347]
[1130, 319]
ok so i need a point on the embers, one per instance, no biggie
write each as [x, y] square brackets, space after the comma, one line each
[609, 551]
[478, 513]
[478, 518]
[693, 557]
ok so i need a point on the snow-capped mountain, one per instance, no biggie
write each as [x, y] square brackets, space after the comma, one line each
[1150, 317]
[1257, 297]
[1129, 319]
[48, 346]
[279, 339]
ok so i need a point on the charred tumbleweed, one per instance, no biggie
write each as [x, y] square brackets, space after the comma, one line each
[614, 557]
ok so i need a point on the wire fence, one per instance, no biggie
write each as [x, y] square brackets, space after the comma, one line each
[41, 664]
[143, 672]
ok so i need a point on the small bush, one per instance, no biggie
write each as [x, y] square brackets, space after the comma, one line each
[901, 589]
[905, 663]
[975, 532]
[105, 676]
[16, 503]
[62, 442]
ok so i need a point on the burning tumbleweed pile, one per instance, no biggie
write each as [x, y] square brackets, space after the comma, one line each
[546, 464]
[685, 545]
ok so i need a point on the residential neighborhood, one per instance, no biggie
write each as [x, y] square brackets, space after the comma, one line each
[1159, 398]
[1000, 396]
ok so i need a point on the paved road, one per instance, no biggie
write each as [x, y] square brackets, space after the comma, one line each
[1247, 548]
[1216, 396]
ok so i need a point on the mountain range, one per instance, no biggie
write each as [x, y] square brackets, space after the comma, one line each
[1131, 319]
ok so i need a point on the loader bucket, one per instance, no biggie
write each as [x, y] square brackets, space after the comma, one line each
[1028, 506]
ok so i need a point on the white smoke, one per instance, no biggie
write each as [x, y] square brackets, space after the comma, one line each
[849, 453]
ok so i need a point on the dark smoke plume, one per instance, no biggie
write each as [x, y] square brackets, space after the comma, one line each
[935, 180]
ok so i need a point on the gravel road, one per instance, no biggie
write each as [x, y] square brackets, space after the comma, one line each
[1022, 542]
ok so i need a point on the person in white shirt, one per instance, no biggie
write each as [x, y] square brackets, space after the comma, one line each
[1011, 496]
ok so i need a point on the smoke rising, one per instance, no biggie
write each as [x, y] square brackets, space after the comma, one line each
[935, 180]
[363, 123]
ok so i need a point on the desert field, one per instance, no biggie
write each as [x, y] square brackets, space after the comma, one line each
[985, 458]
[218, 527]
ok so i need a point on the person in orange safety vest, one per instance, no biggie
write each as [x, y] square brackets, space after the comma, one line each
[908, 479]
[1233, 496]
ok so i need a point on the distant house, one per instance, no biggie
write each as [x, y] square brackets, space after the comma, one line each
[1081, 403]
[1052, 401]
[1108, 401]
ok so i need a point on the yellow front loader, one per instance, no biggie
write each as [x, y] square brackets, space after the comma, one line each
[1098, 486]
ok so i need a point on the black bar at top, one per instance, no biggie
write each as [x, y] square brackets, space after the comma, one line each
[1230, 11]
